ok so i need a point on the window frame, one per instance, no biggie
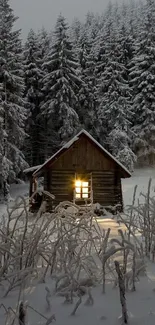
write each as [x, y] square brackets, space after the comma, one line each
[85, 178]
[82, 191]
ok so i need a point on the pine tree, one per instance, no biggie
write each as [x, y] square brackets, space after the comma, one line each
[61, 86]
[33, 59]
[114, 92]
[75, 32]
[11, 90]
[44, 39]
[86, 92]
[142, 78]
[1, 145]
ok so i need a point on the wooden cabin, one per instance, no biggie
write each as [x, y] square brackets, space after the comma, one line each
[83, 172]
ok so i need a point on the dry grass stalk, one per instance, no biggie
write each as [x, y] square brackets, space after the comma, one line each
[90, 300]
[76, 306]
[22, 314]
[48, 297]
[122, 292]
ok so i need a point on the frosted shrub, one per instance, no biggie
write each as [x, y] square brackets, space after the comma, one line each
[70, 247]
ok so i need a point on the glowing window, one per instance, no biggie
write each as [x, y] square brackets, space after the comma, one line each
[78, 183]
[84, 189]
[81, 190]
[85, 196]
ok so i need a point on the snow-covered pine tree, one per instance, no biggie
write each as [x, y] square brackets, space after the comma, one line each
[114, 93]
[142, 78]
[87, 92]
[44, 39]
[33, 59]
[86, 49]
[11, 90]
[98, 52]
[75, 31]
[1, 145]
[60, 87]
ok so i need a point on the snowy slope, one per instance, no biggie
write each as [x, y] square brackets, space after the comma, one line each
[141, 178]
[15, 191]
[106, 309]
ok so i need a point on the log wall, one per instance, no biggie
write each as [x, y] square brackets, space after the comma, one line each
[61, 184]
[106, 186]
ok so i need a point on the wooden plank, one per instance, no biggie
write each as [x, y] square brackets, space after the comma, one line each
[104, 173]
[103, 186]
[58, 187]
[104, 183]
[105, 202]
[109, 191]
[105, 193]
[103, 177]
[60, 171]
[60, 194]
[67, 176]
[103, 180]
[63, 184]
[62, 178]
[109, 173]
[104, 199]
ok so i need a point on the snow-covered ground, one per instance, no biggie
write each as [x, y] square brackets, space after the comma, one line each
[140, 178]
[15, 191]
[106, 308]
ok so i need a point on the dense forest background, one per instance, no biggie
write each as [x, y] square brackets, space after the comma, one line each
[98, 75]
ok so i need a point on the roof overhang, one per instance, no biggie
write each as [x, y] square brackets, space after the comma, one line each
[29, 171]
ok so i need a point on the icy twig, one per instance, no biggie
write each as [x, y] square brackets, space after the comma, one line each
[122, 292]
[76, 306]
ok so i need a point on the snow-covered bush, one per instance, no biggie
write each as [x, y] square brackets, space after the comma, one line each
[140, 222]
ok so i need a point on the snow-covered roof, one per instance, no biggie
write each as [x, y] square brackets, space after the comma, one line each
[70, 143]
[32, 169]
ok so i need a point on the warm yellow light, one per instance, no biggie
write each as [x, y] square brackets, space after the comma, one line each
[78, 183]
[85, 196]
[81, 189]
[84, 184]
[85, 190]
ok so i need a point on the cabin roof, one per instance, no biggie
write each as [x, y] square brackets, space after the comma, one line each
[48, 162]
[32, 169]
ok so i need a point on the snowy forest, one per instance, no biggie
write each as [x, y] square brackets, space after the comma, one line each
[97, 74]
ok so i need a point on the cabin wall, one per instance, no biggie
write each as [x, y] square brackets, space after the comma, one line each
[107, 188]
[61, 184]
